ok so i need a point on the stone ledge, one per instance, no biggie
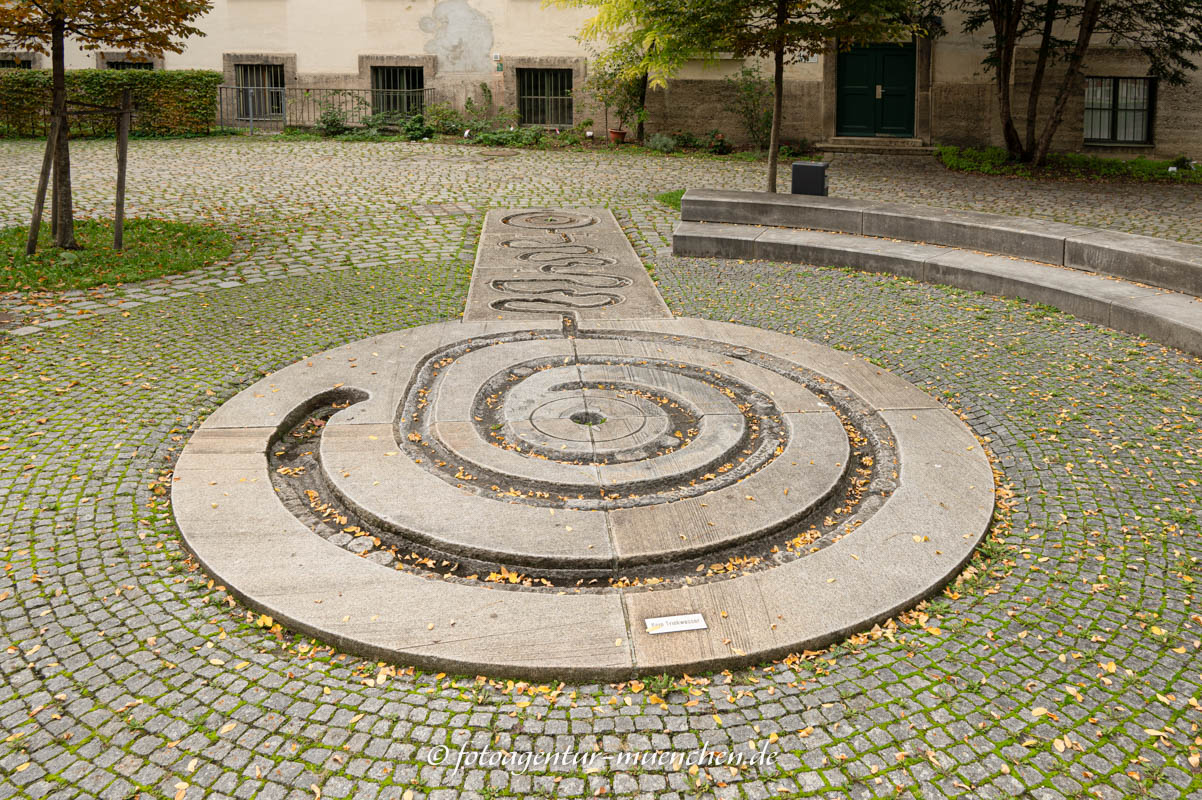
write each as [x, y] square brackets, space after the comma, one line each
[1169, 317]
[1145, 259]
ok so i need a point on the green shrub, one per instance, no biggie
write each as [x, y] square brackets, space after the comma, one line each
[716, 143]
[332, 122]
[166, 102]
[661, 143]
[686, 140]
[444, 119]
[751, 100]
[1077, 166]
[415, 128]
[514, 137]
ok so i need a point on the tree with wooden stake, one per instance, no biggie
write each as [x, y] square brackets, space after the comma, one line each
[147, 28]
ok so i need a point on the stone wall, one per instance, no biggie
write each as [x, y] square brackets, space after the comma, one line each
[699, 106]
[962, 114]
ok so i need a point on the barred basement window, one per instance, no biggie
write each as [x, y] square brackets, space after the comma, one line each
[16, 63]
[260, 90]
[129, 65]
[1119, 110]
[545, 97]
[398, 89]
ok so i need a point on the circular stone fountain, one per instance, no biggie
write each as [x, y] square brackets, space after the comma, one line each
[517, 497]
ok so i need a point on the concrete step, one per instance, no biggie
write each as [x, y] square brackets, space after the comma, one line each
[1143, 259]
[1169, 317]
[875, 145]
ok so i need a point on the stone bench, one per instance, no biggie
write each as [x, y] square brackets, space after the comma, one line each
[1019, 258]
[1143, 259]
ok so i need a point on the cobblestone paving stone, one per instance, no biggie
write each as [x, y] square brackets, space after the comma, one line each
[1067, 666]
[304, 207]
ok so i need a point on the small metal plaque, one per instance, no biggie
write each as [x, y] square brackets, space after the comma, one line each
[679, 622]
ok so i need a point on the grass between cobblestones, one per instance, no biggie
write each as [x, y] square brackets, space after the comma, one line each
[153, 248]
[670, 199]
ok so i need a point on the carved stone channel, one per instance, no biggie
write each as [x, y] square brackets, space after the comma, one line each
[519, 496]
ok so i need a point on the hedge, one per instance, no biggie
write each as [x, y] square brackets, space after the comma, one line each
[166, 102]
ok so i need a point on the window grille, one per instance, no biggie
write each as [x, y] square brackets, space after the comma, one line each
[397, 89]
[1119, 110]
[129, 65]
[545, 97]
[260, 90]
[16, 63]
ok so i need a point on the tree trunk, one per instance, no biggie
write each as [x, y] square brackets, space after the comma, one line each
[1041, 66]
[1085, 29]
[64, 227]
[778, 94]
[642, 106]
[1006, 20]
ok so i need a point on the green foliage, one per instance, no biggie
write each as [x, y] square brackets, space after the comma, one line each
[661, 143]
[670, 199]
[415, 128]
[332, 122]
[686, 140]
[481, 117]
[167, 102]
[615, 82]
[716, 143]
[152, 248]
[514, 137]
[751, 100]
[445, 119]
[1071, 166]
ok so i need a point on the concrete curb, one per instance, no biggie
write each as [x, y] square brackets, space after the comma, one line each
[1144, 259]
[1170, 317]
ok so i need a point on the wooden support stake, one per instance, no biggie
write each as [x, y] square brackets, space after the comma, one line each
[123, 120]
[39, 203]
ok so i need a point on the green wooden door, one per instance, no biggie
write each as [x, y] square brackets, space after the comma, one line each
[875, 93]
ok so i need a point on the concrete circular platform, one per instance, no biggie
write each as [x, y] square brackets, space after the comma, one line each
[520, 498]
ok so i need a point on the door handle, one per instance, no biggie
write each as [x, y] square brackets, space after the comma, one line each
[879, 91]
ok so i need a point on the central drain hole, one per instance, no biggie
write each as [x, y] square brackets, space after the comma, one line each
[587, 418]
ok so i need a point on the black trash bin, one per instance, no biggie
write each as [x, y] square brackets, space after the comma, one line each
[809, 177]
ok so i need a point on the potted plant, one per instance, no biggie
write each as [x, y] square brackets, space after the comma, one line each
[615, 81]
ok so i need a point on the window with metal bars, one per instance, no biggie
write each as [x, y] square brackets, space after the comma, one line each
[129, 65]
[260, 90]
[545, 97]
[1119, 110]
[397, 89]
[16, 63]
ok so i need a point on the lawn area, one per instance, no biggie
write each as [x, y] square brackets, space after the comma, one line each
[671, 199]
[153, 248]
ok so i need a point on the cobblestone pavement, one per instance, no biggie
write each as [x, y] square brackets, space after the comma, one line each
[1066, 665]
[305, 207]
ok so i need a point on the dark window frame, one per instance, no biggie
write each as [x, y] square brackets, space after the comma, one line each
[16, 63]
[544, 97]
[147, 65]
[1149, 111]
[397, 88]
[263, 96]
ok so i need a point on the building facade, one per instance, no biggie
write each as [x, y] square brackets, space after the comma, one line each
[522, 55]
